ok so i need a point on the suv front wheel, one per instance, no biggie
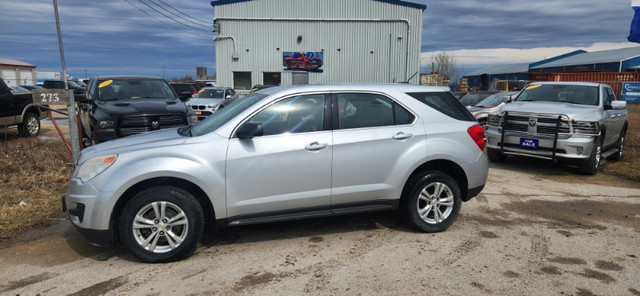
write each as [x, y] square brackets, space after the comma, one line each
[433, 201]
[162, 224]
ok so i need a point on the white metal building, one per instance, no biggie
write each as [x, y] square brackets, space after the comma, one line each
[286, 42]
[15, 72]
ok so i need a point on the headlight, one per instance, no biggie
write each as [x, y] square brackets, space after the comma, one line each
[494, 120]
[105, 124]
[192, 119]
[586, 127]
[94, 166]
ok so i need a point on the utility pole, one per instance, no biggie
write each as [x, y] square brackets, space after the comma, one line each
[71, 107]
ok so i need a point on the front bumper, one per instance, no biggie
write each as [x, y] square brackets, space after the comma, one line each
[89, 212]
[576, 147]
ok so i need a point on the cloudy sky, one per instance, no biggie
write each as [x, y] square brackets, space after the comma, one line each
[138, 36]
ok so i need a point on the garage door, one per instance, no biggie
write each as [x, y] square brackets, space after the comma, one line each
[9, 76]
[26, 78]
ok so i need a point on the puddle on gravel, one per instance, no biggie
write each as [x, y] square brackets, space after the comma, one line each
[580, 214]
[599, 179]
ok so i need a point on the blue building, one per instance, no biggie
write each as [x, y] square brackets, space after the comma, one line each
[616, 60]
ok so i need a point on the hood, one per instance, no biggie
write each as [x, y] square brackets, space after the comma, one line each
[204, 101]
[141, 107]
[154, 139]
[576, 112]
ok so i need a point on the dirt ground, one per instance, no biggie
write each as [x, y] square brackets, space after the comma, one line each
[536, 229]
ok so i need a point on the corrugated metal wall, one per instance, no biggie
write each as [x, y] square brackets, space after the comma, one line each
[362, 40]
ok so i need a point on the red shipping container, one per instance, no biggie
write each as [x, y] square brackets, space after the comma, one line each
[614, 79]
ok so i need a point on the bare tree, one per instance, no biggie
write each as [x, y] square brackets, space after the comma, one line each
[445, 64]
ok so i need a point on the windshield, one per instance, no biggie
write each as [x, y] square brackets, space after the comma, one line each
[574, 94]
[491, 101]
[210, 93]
[131, 89]
[225, 114]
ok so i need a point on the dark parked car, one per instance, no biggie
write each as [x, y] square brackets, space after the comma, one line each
[185, 90]
[473, 97]
[78, 91]
[32, 87]
[119, 106]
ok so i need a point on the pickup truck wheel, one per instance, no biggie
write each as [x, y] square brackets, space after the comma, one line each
[162, 224]
[591, 166]
[433, 202]
[495, 155]
[620, 145]
[30, 126]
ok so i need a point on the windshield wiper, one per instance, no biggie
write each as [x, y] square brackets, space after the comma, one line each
[111, 99]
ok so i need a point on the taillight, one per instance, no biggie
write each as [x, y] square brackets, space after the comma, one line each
[194, 92]
[477, 134]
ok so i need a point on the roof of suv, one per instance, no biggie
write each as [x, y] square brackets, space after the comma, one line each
[356, 86]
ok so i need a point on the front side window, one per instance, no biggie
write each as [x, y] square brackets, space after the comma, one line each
[370, 110]
[299, 114]
[609, 97]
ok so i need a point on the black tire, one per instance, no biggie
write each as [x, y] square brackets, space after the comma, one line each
[591, 165]
[30, 126]
[495, 155]
[433, 201]
[620, 146]
[173, 241]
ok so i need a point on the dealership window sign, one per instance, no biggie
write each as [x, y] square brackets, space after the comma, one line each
[302, 61]
[631, 92]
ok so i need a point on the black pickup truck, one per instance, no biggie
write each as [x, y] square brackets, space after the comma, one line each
[18, 109]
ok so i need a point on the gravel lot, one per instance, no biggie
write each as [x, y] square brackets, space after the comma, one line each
[536, 229]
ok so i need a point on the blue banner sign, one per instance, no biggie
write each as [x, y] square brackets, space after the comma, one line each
[631, 92]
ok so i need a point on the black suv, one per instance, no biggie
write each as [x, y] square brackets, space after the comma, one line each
[119, 106]
[78, 91]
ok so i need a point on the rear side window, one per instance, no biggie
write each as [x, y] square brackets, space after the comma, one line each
[444, 102]
[370, 110]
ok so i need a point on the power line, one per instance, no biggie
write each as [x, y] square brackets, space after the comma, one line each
[197, 19]
[173, 13]
[162, 21]
[177, 21]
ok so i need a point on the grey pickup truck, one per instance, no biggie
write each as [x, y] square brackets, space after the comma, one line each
[578, 123]
[18, 109]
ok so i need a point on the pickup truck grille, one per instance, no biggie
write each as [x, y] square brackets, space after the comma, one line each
[543, 125]
[132, 125]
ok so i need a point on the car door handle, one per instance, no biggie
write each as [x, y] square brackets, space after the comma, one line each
[315, 146]
[402, 136]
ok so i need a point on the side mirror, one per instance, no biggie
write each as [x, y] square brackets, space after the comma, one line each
[619, 105]
[249, 130]
[185, 96]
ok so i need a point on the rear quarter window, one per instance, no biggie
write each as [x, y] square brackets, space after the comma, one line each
[445, 103]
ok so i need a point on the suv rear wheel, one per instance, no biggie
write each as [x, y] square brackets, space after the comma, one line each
[162, 224]
[433, 202]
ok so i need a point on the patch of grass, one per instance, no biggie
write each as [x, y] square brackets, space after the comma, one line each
[33, 176]
[629, 166]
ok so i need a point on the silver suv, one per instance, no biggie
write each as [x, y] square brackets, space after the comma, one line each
[576, 122]
[283, 153]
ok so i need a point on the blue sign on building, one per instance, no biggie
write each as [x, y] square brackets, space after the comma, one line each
[631, 92]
